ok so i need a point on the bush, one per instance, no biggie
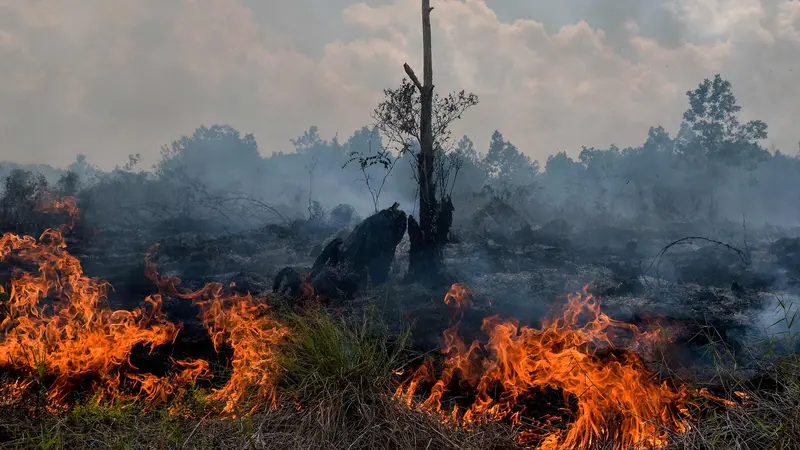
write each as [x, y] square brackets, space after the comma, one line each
[23, 194]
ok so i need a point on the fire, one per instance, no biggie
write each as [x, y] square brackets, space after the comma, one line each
[57, 330]
[66, 205]
[458, 296]
[608, 392]
[55, 326]
[308, 295]
[459, 299]
[57, 333]
[242, 322]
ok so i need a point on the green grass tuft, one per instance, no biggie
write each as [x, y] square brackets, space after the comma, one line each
[324, 351]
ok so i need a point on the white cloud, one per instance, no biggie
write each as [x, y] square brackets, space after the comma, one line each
[111, 77]
[725, 18]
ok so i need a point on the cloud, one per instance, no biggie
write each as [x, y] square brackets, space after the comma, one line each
[110, 77]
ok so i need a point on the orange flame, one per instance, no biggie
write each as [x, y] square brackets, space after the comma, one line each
[308, 295]
[459, 299]
[614, 396]
[242, 322]
[72, 335]
[57, 328]
[66, 205]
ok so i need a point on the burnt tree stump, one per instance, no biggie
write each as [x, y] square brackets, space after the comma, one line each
[346, 265]
[424, 249]
[445, 220]
[287, 282]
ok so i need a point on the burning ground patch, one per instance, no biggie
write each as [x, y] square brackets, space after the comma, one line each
[607, 393]
[578, 380]
[58, 332]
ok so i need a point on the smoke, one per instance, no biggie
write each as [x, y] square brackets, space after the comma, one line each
[779, 321]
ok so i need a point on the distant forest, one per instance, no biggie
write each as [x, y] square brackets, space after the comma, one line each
[714, 170]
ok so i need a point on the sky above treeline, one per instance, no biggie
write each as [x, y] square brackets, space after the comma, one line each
[108, 78]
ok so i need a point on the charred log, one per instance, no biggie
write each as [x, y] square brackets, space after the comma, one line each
[425, 254]
[445, 220]
[334, 283]
[415, 253]
[426, 249]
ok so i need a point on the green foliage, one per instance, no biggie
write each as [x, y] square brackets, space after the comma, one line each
[211, 155]
[560, 164]
[466, 150]
[83, 169]
[310, 141]
[215, 178]
[711, 130]
[507, 164]
[68, 184]
[23, 193]
[397, 116]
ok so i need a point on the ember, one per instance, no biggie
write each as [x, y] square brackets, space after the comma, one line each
[608, 393]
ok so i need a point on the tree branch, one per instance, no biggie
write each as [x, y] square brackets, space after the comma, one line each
[413, 76]
[742, 255]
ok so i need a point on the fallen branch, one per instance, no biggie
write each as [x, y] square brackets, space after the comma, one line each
[657, 259]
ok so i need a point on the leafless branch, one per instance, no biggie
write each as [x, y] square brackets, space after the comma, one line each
[657, 259]
[412, 75]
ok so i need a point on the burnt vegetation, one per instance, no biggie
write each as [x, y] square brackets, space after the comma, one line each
[691, 240]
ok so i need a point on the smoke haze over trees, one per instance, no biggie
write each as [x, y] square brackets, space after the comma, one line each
[715, 168]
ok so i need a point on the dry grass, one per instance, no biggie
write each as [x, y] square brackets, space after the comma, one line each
[768, 419]
[336, 421]
[767, 415]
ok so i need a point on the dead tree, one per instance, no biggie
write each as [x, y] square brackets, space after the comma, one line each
[415, 120]
[425, 243]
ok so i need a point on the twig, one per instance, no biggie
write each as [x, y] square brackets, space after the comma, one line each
[194, 429]
[688, 239]
[744, 236]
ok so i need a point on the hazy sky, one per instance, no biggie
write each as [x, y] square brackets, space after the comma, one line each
[112, 77]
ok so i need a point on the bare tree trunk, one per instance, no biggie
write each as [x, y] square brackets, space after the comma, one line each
[425, 246]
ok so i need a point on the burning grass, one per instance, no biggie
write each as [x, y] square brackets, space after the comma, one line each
[336, 393]
[312, 379]
[58, 332]
[342, 403]
[608, 395]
